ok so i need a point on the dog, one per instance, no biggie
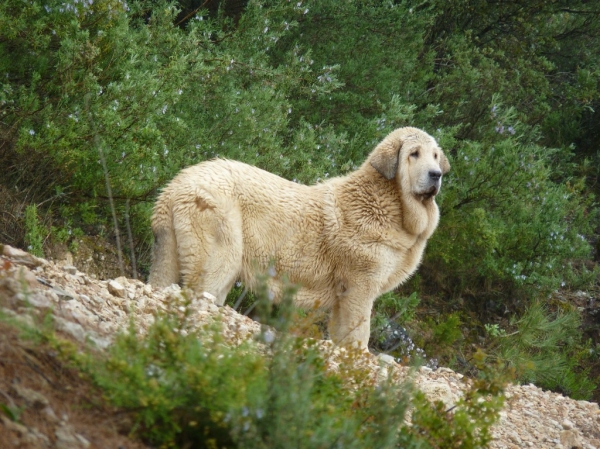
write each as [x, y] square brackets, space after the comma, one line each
[344, 242]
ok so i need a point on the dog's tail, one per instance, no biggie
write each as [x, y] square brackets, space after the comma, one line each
[165, 261]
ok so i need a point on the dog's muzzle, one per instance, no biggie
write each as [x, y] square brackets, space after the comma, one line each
[432, 185]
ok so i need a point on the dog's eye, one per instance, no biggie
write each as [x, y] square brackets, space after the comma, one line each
[415, 153]
[435, 156]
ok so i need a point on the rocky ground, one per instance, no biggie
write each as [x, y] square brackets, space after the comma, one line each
[49, 399]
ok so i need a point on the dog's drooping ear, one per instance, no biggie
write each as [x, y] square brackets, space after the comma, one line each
[385, 158]
[444, 164]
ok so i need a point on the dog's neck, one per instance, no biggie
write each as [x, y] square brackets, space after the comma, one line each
[391, 204]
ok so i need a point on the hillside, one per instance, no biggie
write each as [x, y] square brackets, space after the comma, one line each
[51, 406]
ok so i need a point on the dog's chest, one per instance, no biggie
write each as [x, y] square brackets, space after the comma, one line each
[397, 264]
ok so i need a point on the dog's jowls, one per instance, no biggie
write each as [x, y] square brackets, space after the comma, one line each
[344, 242]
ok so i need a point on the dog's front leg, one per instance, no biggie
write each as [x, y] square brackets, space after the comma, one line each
[350, 321]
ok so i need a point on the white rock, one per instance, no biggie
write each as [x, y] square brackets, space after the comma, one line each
[570, 438]
[208, 297]
[116, 289]
[70, 269]
[33, 397]
[38, 300]
[436, 390]
[74, 329]
[386, 359]
[122, 280]
[22, 257]
[63, 295]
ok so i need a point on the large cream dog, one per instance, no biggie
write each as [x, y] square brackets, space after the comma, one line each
[344, 242]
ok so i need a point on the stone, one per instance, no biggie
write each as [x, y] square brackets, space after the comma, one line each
[67, 439]
[34, 398]
[70, 269]
[27, 278]
[20, 429]
[22, 257]
[49, 412]
[89, 311]
[208, 297]
[73, 329]
[84, 442]
[386, 359]
[26, 319]
[570, 439]
[116, 289]
[39, 301]
[63, 295]
[122, 280]
[436, 390]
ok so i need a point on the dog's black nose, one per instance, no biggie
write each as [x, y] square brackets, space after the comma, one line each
[435, 175]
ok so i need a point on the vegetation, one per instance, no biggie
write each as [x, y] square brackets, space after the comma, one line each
[180, 386]
[102, 102]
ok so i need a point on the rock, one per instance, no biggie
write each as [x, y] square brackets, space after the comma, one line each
[70, 269]
[33, 397]
[116, 289]
[22, 257]
[438, 391]
[19, 429]
[49, 412]
[26, 319]
[122, 280]
[208, 297]
[567, 425]
[386, 359]
[27, 278]
[570, 439]
[66, 438]
[74, 329]
[63, 295]
[84, 442]
[37, 300]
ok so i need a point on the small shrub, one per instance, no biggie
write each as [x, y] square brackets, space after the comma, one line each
[546, 349]
[35, 232]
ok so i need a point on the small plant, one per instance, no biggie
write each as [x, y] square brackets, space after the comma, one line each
[494, 330]
[35, 232]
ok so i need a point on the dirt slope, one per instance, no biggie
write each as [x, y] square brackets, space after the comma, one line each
[56, 409]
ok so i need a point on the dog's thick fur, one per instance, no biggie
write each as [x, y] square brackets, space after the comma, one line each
[344, 242]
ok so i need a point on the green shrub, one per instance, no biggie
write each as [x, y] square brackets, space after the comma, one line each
[186, 387]
[546, 349]
[35, 232]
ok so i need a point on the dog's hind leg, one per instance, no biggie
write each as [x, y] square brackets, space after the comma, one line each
[210, 244]
[165, 260]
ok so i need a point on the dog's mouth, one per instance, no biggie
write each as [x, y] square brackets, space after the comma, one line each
[429, 193]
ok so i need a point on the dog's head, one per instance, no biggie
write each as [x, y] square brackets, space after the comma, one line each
[414, 159]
